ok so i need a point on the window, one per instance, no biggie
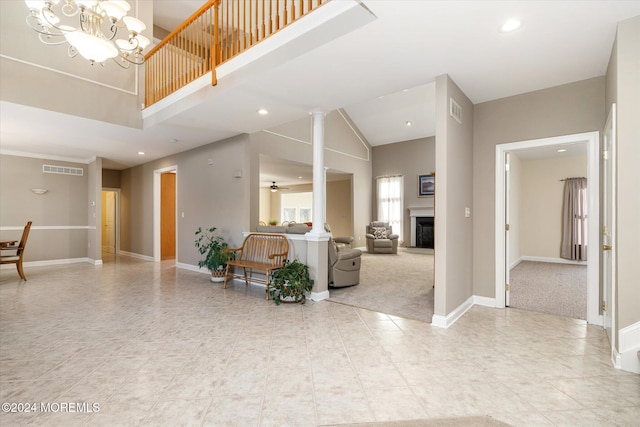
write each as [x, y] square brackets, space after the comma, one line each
[296, 206]
[390, 201]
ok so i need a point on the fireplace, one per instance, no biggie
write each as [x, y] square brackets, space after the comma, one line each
[422, 226]
[424, 232]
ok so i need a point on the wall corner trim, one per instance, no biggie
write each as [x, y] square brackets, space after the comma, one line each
[448, 320]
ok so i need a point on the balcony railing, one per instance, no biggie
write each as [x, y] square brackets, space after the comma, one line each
[217, 32]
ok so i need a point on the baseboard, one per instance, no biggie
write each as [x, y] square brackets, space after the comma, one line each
[319, 296]
[191, 267]
[451, 318]
[94, 261]
[135, 255]
[515, 263]
[48, 262]
[484, 301]
[552, 260]
[629, 343]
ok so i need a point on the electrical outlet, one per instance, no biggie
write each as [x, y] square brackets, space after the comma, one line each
[467, 212]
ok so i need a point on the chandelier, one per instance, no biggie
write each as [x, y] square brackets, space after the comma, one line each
[97, 23]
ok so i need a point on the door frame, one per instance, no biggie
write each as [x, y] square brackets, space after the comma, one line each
[156, 210]
[593, 195]
[117, 216]
[609, 235]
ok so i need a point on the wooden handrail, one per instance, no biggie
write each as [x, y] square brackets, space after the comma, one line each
[215, 33]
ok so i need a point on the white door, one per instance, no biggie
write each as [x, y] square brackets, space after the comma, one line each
[609, 226]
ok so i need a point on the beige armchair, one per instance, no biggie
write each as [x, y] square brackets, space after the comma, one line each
[380, 238]
[344, 263]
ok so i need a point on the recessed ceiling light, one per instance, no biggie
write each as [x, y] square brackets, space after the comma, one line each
[409, 123]
[263, 112]
[405, 90]
[141, 153]
[561, 150]
[299, 177]
[510, 25]
[173, 140]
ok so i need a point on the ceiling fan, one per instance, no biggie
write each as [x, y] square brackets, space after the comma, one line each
[275, 187]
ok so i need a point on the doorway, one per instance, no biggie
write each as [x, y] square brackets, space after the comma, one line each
[110, 221]
[168, 215]
[165, 196]
[591, 143]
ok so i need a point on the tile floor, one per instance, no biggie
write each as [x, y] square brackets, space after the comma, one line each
[151, 345]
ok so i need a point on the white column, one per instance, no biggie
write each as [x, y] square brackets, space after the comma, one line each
[318, 238]
[319, 186]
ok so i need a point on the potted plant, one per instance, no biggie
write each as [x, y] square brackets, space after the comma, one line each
[290, 283]
[273, 222]
[212, 246]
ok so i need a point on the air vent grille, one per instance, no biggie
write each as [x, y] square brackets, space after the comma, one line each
[455, 110]
[62, 170]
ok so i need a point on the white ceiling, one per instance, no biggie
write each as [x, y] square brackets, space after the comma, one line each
[367, 72]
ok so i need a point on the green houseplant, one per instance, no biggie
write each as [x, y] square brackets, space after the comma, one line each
[290, 283]
[212, 246]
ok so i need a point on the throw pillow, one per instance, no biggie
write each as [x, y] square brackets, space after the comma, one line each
[379, 233]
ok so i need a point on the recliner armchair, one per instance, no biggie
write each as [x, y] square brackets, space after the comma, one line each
[380, 238]
[344, 263]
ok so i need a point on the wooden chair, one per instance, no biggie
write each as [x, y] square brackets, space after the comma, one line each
[17, 257]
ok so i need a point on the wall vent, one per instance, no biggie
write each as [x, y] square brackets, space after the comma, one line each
[62, 170]
[455, 110]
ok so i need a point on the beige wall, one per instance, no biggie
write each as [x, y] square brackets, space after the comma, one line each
[209, 195]
[572, 108]
[627, 85]
[541, 199]
[408, 158]
[111, 178]
[62, 211]
[454, 184]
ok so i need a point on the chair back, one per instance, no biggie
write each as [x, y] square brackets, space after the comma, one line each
[25, 236]
[379, 224]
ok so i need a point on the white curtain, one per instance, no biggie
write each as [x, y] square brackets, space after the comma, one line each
[390, 190]
[574, 220]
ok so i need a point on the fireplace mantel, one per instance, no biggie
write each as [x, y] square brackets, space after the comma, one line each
[416, 212]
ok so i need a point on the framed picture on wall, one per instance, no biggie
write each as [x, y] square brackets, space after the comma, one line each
[426, 185]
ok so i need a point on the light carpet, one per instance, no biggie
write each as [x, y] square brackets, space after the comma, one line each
[559, 289]
[400, 285]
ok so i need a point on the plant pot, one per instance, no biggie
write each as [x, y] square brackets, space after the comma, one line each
[217, 275]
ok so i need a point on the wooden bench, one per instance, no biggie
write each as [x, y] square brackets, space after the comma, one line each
[259, 251]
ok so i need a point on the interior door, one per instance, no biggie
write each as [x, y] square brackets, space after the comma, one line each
[109, 221]
[609, 226]
[167, 215]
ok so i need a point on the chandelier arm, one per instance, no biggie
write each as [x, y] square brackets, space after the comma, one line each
[34, 23]
[114, 31]
[121, 64]
[44, 38]
[138, 59]
[70, 9]
[72, 51]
